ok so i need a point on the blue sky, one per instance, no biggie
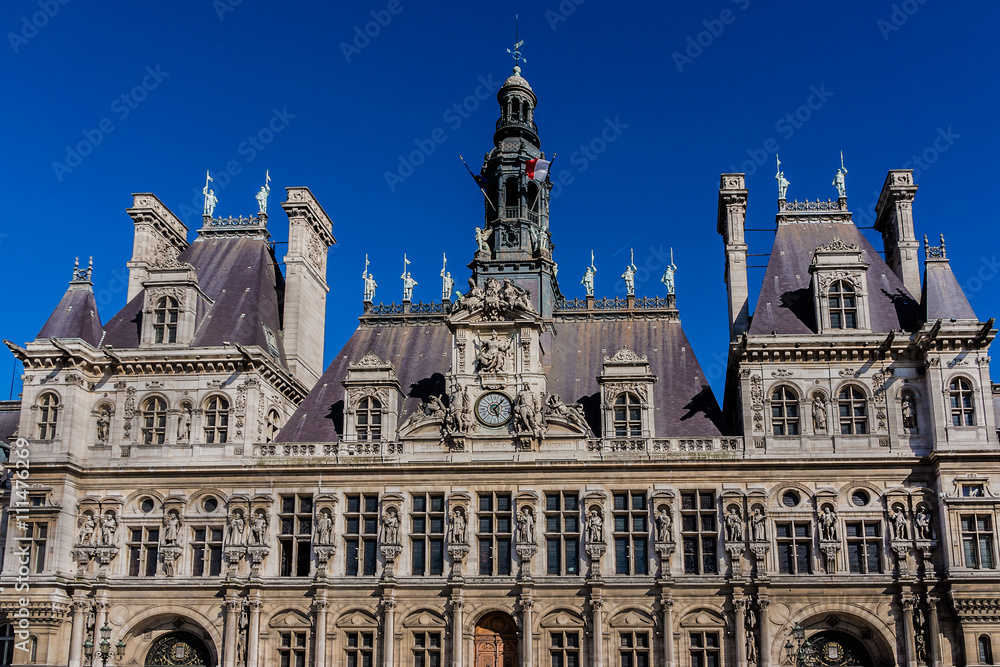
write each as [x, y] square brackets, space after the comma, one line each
[645, 104]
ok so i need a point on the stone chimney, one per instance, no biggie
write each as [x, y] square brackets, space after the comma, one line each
[732, 214]
[157, 232]
[894, 219]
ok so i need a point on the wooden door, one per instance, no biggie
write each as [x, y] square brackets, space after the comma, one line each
[496, 641]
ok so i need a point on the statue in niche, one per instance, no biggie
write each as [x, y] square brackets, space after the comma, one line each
[819, 413]
[258, 529]
[456, 527]
[900, 527]
[109, 529]
[171, 527]
[492, 357]
[528, 412]
[104, 424]
[324, 528]
[664, 525]
[595, 526]
[909, 411]
[828, 525]
[241, 635]
[87, 530]
[758, 521]
[734, 526]
[184, 424]
[751, 641]
[923, 523]
[525, 526]
[237, 528]
[390, 526]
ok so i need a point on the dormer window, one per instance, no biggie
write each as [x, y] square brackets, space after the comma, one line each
[628, 415]
[369, 419]
[165, 316]
[843, 305]
[840, 288]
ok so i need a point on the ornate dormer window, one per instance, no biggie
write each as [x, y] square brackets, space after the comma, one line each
[368, 418]
[165, 316]
[373, 399]
[840, 288]
[628, 415]
[627, 395]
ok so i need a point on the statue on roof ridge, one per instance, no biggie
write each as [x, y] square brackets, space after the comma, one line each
[370, 283]
[265, 190]
[210, 199]
[838, 180]
[782, 181]
[588, 276]
[668, 274]
[629, 275]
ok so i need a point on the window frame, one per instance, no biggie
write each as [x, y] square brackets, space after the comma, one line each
[427, 545]
[797, 543]
[143, 553]
[359, 649]
[361, 544]
[962, 389]
[841, 311]
[216, 419]
[630, 652]
[206, 553]
[288, 653]
[49, 405]
[565, 543]
[495, 546]
[423, 650]
[166, 318]
[856, 398]
[368, 424]
[153, 412]
[702, 648]
[865, 543]
[782, 410]
[975, 539]
[295, 529]
[561, 651]
[631, 544]
[627, 426]
[704, 541]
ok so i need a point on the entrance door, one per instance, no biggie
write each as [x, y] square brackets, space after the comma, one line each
[838, 649]
[178, 649]
[496, 641]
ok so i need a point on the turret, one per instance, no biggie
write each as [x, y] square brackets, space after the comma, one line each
[894, 219]
[732, 214]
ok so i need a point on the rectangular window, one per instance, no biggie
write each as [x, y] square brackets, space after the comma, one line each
[426, 649]
[295, 534]
[38, 534]
[864, 546]
[206, 551]
[794, 547]
[361, 534]
[562, 533]
[427, 521]
[977, 541]
[564, 649]
[360, 649]
[631, 532]
[705, 649]
[633, 649]
[699, 531]
[494, 524]
[143, 550]
[292, 649]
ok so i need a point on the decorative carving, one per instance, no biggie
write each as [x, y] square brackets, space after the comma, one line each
[492, 353]
[758, 521]
[838, 245]
[494, 299]
[625, 355]
[781, 373]
[922, 523]
[171, 528]
[819, 412]
[898, 523]
[370, 359]
[390, 527]
[236, 528]
[128, 413]
[734, 525]
[109, 530]
[528, 413]
[664, 524]
[324, 528]
[830, 551]
[104, 425]
[258, 529]
[828, 524]
[86, 535]
[457, 526]
[572, 413]
[614, 389]
[526, 525]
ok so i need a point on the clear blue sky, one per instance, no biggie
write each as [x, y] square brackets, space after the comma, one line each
[692, 90]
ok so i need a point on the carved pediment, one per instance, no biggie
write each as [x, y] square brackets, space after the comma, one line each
[357, 619]
[289, 619]
[424, 618]
[625, 355]
[495, 301]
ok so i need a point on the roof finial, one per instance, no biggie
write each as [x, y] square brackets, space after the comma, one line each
[516, 53]
[82, 275]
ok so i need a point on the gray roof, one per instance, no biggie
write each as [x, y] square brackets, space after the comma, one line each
[75, 316]
[240, 277]
[942, 296]
[785, 305]
[574, 354]
[10, 416]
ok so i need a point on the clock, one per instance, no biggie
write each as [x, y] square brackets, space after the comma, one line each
[493, 409]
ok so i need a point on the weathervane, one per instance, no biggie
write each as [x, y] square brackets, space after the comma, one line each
[516, 53]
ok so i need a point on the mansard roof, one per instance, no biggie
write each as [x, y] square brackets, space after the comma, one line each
[573, 357]
[786, 306]
[10, 415]
[75, 317]
[942, 297]
[240, 277]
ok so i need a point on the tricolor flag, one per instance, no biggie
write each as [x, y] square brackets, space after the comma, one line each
[536, 169]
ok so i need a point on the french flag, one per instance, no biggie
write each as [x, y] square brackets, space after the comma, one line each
[536, 169]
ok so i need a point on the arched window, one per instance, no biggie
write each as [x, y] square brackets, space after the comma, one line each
[628, 415]
[216, 420]
[48, 415]
[962, 412]
[843, 305]
[273, 426]
[853, 411]
[165, 316]
[784, 412]
[154, 421]
[369, 418]
[511, 195]
[985, 647]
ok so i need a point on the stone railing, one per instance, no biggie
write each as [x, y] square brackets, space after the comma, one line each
[828, 205]
[329, 449]
[732, 445]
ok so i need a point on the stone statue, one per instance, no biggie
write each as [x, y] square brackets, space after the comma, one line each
[819, 413]
[734, 526]
[751, 647]
[237, 529]
[370, 283]
[909, 411]
[87, 530]
[457, 527]
[492, 356]
[171, 528]
[629, 278]
[595, 526]
[900, 527]
[435, 407]
[324, 528]
[390, 526]
[668, 274]
[482, 236]
[104, 424]
[210, 199]
[782, 181]
[573, 414]
[408, 284]
[923, 523]
[184, 425]
[109, 529]
[514, 296]
[838, 182]
[458, 416]
[528, 412]
[241, 634]
[757, 525]
[664, 525]
[525, 526]
[447, 285]
[828, 525]
[588, 280]
[258, 529]
[265, 190]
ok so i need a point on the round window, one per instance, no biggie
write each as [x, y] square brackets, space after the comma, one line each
[860, 497]
[147, 505]
[210, 504]
[789, 499]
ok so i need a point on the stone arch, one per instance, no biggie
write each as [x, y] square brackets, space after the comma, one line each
[132, 498]
[846, 617]
[160, 621]
[178, 648]
[495, 637]
[774, 496]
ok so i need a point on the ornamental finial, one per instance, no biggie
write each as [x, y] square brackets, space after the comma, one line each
[82, 275]
[516, 53]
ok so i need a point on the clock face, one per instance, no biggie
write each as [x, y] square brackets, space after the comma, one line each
[493, 409]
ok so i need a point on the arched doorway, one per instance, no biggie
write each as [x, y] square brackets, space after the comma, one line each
[839, 649]
[496, 641]
[178, 649]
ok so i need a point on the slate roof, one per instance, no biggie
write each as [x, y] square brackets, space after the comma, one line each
[75, 317]
[785, 304]
[10, 415]
[942, 297]
[241, 278]
[573, 357]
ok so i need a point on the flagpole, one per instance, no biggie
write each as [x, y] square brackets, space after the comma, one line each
[477, 183]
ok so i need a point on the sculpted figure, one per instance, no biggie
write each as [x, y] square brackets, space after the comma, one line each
[370, 285]
[171, 528]
[87, 530]
[390, 526]
[104, 424]
[573, 414]
[525, 526]
[408, 284]
[629, 278]
[668, 274]
[588, 280]
[241, 635]
[109, 529]
[734, 526]
[819, 413]
[258, 529]
[210, 201]
[529, 416]
[838, 182]
[482, 236]
[447, 285]
[261, 197]
[595, 526]
[923, 522]
[435, 408]
[900, 527]
[909, 411]
[828, 525]
[757, 523]
[237, 529]
[492, 356]
[457, 527]
[324, 528]
[782, 181]
[664, 525]
[184, 425]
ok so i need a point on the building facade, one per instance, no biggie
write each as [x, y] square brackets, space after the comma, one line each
[508, 477]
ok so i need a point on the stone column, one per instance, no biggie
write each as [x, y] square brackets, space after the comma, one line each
[911, 653]
[389, 638]
[668, 631]
[232, 606]
[457, 626]
[764, 659]
[739, 604]
[598, 625]
[81, 606]
[100, 618]
[321, 603]
[253, 640]
[526, 605]
[935, 630]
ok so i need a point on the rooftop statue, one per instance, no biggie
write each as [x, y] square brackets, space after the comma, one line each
[629, 275]
[265, 190]
[668, 275]
[210, 199]
[447, 284]
[588, 276]
[370, 284]
[782, 181]
[838, 180]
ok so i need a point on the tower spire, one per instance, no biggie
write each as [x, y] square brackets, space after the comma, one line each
[516, 53]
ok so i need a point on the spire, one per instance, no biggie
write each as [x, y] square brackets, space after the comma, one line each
[517, 102]
[942, 297]
[76, 315]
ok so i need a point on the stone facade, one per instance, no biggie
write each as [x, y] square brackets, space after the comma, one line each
[512, 478]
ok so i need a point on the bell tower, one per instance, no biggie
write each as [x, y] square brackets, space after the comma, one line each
[516, 242]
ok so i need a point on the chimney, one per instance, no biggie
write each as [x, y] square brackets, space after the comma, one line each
[158, 232]
[732, 214]
[304, 312]
[894, 219]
